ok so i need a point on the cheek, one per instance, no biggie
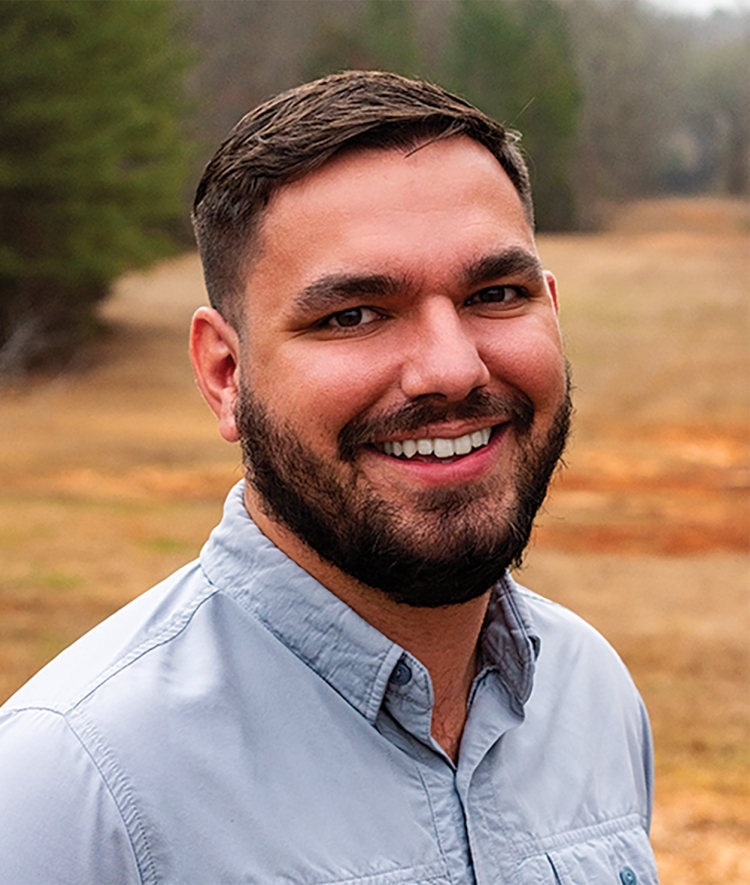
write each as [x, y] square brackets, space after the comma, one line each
[318, 389]
[531, 359]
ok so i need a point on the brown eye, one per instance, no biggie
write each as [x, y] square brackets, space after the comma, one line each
[497, 294]
[348, 318]
[353, 318]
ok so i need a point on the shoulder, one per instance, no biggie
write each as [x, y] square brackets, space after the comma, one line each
[567, 641]
[64, 788]
[147, 622]
[581, 681]
[57, 809]
[585, 718]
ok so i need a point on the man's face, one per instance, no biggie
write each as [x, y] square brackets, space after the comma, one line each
[404, 397]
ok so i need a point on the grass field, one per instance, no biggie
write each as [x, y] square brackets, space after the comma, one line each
[113, 474]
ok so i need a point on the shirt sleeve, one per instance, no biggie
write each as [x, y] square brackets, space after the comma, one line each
[58, 821]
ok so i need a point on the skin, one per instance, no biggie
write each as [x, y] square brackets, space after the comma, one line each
[382, 278]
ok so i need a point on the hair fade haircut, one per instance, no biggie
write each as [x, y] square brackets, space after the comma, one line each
[297, 131]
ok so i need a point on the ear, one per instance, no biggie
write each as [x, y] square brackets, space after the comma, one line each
[552, 286]
[215, 354]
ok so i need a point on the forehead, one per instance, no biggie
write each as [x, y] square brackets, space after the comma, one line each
[426, 211]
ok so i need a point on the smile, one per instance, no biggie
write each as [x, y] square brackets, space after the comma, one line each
[438, 447]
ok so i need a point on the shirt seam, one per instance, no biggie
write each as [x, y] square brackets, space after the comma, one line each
[400, 871]
[168, 631]
[118, 787]
[499, 822]
[536, 846]
[140, 863]
[435, 827]
[621, 823]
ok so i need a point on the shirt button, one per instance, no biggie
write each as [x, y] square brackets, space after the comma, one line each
[402, 674]
[628, 877]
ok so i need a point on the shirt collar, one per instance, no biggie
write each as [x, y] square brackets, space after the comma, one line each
[351, 655]
[509, 643]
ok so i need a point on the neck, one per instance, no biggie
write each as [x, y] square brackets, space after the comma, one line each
[443, 639]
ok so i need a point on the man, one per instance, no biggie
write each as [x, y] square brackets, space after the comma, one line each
[347, 686]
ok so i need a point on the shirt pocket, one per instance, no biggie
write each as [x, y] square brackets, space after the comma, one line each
[623, 857]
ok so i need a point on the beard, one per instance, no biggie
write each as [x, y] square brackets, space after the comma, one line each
[452, 544]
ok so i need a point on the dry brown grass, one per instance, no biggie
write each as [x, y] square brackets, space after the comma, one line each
[112, 476]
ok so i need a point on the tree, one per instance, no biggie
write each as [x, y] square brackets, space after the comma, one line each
[628, 61]
[666, 103]
[717, 107]
[381, 36]
[513, 60]
[92, 162]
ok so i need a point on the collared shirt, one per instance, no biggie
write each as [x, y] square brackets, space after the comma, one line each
[239, 723]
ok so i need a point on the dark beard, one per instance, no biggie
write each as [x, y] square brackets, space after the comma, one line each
[451, 550]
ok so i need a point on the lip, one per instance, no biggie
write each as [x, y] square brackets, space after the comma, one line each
[451, 471]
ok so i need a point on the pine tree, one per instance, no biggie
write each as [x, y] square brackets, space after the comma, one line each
[514, 61]
[92, 161]
[380, 36]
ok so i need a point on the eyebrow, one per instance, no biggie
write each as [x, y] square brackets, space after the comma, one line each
[512, 262]
[329, 292]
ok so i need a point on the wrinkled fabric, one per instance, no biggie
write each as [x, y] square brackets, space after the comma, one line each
[239, 723]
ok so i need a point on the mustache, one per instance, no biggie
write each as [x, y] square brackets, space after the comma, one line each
[516, 407]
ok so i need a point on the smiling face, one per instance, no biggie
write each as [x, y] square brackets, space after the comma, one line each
[403, 397]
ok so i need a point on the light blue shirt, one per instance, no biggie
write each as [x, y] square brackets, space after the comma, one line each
[239, 723]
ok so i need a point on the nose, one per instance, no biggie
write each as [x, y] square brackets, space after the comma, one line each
[443, 359]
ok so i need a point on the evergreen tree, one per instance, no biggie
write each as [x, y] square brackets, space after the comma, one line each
[718, 113]
[92, 161]
[381, 37]
[514, 61]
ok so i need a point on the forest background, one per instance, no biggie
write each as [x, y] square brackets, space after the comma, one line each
[637, 127]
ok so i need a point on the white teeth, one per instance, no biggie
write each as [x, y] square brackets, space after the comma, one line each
[440, 447]
[410, 447]
[443, 448]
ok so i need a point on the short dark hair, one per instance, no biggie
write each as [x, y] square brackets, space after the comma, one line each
[297, 131]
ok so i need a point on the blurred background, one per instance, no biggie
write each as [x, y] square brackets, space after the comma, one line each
[635, 118]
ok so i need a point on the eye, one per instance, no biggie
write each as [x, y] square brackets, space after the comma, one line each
[500, 295]
[352, 318]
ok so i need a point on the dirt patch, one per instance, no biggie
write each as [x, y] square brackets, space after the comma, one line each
[668, 489]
